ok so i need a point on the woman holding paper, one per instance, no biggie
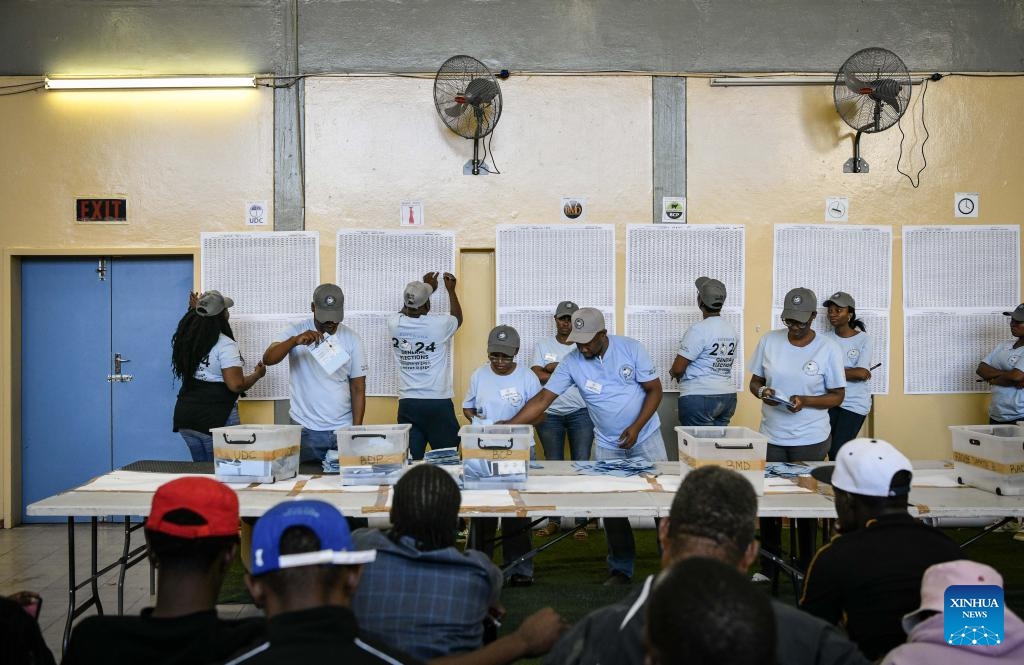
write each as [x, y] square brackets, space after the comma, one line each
[798, 375]
[497, 391]
[206, 359]
[847, 418]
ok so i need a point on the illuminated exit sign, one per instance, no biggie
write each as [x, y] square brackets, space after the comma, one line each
[109, 211]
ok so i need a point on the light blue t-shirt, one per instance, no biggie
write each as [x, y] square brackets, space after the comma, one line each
[792, 370]
[711, 347]
[224, 354]
[1007, 402]
[610, 386]
[550, 350]
[322, 401]
[857, 352]
[420, 346]
[498, 397]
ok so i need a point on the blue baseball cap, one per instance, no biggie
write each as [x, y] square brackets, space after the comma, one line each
[323, 519]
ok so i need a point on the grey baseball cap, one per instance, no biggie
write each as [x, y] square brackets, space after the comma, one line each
[1017, 314]
[328, 303]
[416, 294]
[840, 299]
[503, 339]
[565, 308]
[212, 303]
[711, 292]
[799, 305]
[586, 323]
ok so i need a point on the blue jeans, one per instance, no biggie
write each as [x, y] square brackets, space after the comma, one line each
[552, 431]
[621, 546]
[706, 410]
[433, 421]
[200, 444]
[577, 425]
[314, 444]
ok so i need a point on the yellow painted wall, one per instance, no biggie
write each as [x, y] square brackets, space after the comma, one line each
[188, 161]
[757, 156]
[761, 156]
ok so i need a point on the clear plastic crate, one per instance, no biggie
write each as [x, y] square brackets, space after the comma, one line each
[737, 448]
[372, 454]
[495, 456]
[989, 457]
[256, 453]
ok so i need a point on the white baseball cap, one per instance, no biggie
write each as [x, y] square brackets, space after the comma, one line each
[866, 467]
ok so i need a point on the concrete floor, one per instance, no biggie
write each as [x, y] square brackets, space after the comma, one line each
[34, 558]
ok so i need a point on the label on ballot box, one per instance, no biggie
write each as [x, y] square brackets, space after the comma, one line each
[255, 453]
[737, 448]
[989, 457]
[372, 454]
[495, 456]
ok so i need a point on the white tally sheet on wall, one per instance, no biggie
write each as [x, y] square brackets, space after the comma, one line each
[957, 281]
[271, 277]
[662, 263]
[372, 269]
[839, 257]
[538, 266]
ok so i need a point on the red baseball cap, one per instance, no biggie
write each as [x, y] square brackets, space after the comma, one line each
[215, 502]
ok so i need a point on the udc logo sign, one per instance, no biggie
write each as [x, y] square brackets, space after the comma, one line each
[973, 615]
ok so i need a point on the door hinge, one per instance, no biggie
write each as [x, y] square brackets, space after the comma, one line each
[101, 270]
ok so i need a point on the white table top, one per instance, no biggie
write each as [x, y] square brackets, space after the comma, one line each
[555, 489]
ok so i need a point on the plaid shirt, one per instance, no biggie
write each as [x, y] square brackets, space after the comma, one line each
[427, 604]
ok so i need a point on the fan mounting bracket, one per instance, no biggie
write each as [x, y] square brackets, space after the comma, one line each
[483, 168]
[860, 164]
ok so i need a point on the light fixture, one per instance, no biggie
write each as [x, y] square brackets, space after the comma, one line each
[147, 83]
[727, 81]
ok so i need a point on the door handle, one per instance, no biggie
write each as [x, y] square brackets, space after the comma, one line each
[118, 376]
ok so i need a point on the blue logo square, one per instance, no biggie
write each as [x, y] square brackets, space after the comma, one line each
[973, 615]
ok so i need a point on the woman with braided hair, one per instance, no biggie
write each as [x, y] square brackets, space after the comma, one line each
[206, 359]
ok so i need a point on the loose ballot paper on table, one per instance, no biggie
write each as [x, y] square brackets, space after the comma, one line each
[256, 453]
[495, 456]
[989, 457]
[737, 448]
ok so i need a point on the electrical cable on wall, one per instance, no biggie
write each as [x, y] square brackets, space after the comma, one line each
[903, 136]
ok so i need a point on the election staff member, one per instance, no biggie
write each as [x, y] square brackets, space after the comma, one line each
[847, 418]
[322, 401]
[1003, 368]
[497, 391]
[703, 365]
[420, 344]
[620, 385]
[798, 375]
[205, 357]
[568, 414]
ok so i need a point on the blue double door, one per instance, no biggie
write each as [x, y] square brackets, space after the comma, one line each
[77, 419]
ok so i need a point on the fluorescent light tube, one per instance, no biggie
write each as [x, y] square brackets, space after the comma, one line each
[147, 83]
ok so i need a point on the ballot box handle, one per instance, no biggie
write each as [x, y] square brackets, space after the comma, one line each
[748, 446]
[500, 446]
[248, 441]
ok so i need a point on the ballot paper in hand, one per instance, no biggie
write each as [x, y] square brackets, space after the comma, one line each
[779, 398]
[329, 354]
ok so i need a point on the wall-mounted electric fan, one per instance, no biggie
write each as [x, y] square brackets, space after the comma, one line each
[871, 92]
[468, 99]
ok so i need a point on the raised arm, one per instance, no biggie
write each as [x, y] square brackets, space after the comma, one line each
[278, 351]
[453, 298]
